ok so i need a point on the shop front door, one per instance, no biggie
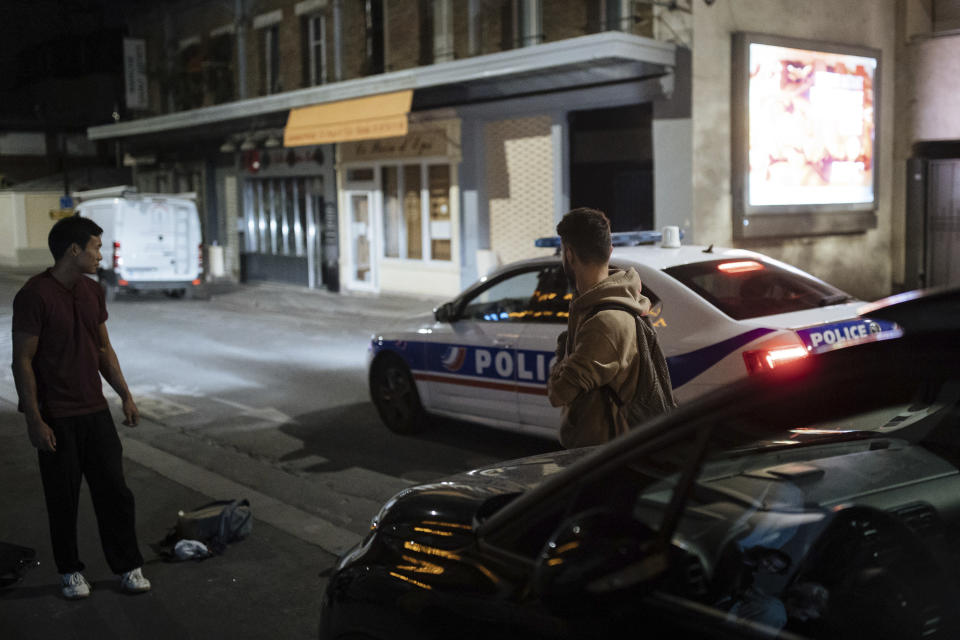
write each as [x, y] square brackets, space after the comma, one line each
[362, 255]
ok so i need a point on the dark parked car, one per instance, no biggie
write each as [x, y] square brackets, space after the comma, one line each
[821, 500]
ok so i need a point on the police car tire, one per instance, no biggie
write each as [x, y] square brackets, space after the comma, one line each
[394, 393]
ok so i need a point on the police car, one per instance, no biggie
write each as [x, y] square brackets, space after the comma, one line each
[720, 314]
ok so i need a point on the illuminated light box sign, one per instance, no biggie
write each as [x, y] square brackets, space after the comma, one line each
[804, 136]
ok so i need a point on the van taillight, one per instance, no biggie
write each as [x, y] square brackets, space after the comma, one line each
[200, 257]
[117, 260]
[768, 359]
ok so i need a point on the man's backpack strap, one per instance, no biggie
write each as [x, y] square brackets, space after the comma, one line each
[616, 306]
[611, 394]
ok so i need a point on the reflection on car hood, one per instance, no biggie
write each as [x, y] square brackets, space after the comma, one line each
[457, 498]
[524, 473]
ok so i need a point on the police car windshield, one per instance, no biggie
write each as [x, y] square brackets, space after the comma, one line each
[751, 288]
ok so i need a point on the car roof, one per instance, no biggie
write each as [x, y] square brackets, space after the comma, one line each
[659, 257]
[655, 256]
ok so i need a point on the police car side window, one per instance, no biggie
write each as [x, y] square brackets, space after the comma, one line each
[551, 299]
[505, 301]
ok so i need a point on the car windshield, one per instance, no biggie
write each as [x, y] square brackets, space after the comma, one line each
[750, 288]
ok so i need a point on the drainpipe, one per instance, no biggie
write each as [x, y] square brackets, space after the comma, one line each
[473, 27]
[337, 40]
[168, 54]
[240, 22]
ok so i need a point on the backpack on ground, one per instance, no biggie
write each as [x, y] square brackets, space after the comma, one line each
[216, 524]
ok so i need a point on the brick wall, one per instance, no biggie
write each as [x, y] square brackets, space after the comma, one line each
[408, 36]
[519, 179]
[405, 35]
[564, 19]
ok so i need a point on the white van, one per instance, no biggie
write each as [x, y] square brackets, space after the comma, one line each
[150, 240]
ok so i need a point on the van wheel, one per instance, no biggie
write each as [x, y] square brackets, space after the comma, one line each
[394, 393]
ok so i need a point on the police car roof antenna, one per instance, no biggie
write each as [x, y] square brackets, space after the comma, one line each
[709, 249]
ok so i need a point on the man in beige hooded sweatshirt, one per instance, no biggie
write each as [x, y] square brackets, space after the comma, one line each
[610, 371]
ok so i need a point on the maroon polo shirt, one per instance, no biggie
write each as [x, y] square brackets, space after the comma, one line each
[67, 362]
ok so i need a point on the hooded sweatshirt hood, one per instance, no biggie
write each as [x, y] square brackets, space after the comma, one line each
[620, 287]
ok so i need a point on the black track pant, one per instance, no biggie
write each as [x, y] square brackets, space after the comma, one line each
[88, 446]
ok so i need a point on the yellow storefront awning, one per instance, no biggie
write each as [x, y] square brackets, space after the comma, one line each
[380, 116]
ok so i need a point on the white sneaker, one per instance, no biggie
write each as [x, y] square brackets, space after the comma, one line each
[74, 586]
[134, 582]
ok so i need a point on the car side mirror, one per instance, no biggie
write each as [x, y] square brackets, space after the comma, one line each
[594, 553]
[444, 313]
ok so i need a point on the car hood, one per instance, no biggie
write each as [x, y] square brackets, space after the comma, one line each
[460, 499]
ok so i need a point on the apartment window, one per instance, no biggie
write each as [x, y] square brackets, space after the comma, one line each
[416, 211]
[220, 76]
[188, 82]
[373, 14]
[316, 36]
[271, 59]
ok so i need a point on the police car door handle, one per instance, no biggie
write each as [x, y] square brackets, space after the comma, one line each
[503, 343]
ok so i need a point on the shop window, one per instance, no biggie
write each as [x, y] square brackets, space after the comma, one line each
[364, 174]
[440, 227]
[392, 215]
[412, 211]
[416, 213]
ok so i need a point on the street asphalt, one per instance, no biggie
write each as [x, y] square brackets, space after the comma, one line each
[266, 586]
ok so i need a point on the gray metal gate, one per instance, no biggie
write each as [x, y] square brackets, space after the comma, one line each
[943, 223]
[283, 223]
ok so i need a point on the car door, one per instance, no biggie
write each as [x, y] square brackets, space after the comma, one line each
[472, 360]
[537, 347]
[536, 352]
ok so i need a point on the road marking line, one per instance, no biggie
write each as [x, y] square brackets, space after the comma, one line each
[305, 526]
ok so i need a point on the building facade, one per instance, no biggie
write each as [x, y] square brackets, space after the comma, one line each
[409, 146]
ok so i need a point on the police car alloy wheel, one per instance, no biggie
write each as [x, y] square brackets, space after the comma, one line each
[395, 395]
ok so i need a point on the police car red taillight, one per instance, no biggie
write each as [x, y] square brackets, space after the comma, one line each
[769, 359]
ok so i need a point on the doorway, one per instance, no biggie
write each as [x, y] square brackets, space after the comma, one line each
[611, 164]
[361, 257]
[932, 239]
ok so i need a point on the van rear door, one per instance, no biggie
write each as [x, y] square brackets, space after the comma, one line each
[160, 234]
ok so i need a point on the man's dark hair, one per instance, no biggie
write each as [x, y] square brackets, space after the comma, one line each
[587, 232]
[71, 230]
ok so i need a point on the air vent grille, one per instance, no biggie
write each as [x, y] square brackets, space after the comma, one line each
[920, 517]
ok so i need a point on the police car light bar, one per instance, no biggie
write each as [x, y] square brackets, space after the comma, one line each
[618, 239]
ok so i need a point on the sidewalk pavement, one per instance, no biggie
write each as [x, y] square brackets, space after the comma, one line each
[291, 299]
[267, 586]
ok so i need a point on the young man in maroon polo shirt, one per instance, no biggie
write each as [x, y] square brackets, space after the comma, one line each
[60, 348]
